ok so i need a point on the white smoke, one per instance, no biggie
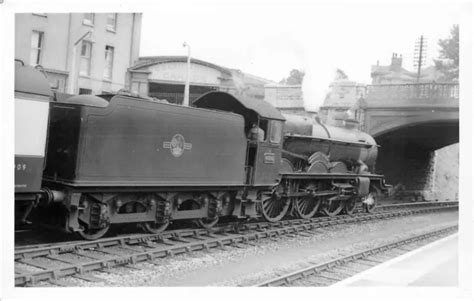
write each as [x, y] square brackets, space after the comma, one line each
[319, 73]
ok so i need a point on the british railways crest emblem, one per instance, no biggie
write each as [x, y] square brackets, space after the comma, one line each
[177, 145]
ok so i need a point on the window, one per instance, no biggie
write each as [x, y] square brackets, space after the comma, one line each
[275, 135]
[109, 60]
[263, 124]
[88, 19]
[86, 49]
[85, 91]
[37, 38]
[111, 22]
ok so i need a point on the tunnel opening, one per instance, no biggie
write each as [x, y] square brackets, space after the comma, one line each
[409, 157]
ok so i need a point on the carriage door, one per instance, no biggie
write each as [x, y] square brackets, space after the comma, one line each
[268, 153]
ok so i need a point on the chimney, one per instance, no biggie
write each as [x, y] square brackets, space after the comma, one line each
[396, 62]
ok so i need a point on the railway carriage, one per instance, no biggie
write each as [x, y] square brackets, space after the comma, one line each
[32, 97]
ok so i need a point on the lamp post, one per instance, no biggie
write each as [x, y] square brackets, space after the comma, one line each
[72, 75]
[188, 75]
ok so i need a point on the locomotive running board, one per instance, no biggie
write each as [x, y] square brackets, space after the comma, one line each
[313, 194]
[301, 175]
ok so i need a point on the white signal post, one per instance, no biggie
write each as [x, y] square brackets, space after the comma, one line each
[72, 75]
[188, 75]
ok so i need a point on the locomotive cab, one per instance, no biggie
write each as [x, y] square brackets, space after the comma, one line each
[264, 153]
[263, 129]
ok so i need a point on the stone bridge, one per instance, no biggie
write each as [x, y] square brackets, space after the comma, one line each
[410, 122]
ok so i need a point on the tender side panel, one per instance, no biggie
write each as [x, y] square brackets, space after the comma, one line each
[143, 143]
[31, 121]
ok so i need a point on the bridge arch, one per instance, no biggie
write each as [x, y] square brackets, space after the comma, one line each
[412, 122]
[431, 134]
[407, 154]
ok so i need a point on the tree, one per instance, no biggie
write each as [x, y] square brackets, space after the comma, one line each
[340, 74]
[448, 61]
[295, 78]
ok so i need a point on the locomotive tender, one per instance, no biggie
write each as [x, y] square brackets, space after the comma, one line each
[115, 159]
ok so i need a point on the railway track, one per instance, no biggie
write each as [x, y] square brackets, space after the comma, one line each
[21, 240]
[51, 262]
[325, 274]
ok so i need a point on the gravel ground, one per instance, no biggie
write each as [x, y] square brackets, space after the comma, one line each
[250, 265]
[312, 281]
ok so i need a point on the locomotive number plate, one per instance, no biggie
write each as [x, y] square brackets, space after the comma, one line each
[269, 158]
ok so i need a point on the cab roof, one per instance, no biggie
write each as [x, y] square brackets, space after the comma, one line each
[241, 105]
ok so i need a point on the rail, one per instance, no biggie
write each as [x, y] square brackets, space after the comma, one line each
[324, 274]
[152, 247]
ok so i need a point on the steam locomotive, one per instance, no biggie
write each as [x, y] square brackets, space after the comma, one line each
[120, 159]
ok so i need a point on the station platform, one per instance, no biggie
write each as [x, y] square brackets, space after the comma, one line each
[435, 264]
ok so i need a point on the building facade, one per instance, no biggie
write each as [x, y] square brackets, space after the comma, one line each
[286, 98]
[396, 74]
[164, 77]
[344, 95]
[86, 53]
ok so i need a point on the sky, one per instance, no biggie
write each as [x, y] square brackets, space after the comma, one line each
[269, 39]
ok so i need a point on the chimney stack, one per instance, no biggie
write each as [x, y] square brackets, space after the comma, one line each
[396, 62]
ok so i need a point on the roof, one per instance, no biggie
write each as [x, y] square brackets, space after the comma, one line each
[86, 100]
[146, 61]
[31, 80]
[227, 102]
[249, 78]
[385, 72]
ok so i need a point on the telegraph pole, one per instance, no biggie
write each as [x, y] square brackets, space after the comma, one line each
[419, 55]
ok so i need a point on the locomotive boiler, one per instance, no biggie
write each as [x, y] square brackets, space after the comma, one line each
[313, 146]
[121, 159]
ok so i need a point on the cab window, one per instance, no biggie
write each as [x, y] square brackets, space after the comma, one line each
[263, 124]
[275, 132]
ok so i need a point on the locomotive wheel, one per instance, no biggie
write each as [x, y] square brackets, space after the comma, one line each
[92, 234]
[205, 222]
[274, 209]
[350, 205]
[307, 206]
[155, 228]
[208, 223]
[332, 208]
